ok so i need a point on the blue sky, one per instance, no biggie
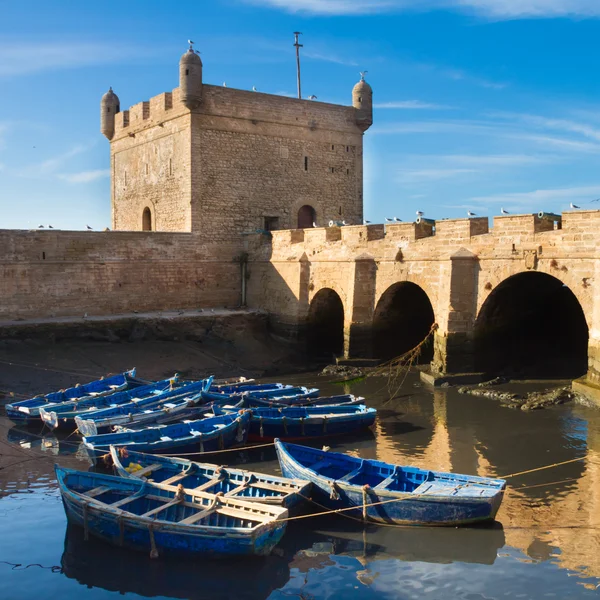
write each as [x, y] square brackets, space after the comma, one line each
[479, 104]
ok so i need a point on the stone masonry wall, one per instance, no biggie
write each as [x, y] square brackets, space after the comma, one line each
[151, 167]
[240, 157]
[67, 273]
[458, 267]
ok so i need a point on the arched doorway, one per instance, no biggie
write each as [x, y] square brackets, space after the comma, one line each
[307, 216]
[326, 325]
[531, 325]
[403, 318]
[146, 220]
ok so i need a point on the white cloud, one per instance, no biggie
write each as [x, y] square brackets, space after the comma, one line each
[522, 132]
[23, 58]
[419, 175]
[494, 160]
[328, 57]
[495, 9]
[51, 166]
[85, 176]
[410, 104]
[537, 198]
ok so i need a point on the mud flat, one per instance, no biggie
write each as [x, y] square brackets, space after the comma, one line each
[37, 356]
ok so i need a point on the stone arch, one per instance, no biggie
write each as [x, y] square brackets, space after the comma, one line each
[531, 325]
[307, 215]
[146, 219]
[325, 325]
[402, 319]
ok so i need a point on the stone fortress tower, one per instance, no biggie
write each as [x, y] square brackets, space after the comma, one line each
[219, 161]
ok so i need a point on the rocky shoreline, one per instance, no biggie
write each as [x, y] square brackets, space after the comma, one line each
[526, 402]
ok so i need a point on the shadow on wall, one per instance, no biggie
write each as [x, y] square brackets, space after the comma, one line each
[403, 318]
[325, 326]
[532, 325]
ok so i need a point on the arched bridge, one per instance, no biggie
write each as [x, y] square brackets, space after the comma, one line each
[518, 298]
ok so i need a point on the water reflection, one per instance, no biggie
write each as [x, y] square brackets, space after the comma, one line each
[550, 519]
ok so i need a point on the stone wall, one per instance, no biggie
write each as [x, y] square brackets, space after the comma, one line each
[67, 273]
[458, 265]
[151, 166]
[240, 157]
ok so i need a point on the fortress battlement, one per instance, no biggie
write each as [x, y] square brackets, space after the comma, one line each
[243, 105]
[576, 230]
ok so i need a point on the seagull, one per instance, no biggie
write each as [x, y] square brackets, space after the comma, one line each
[471, 214]
[254, 88]
[40, 227]
[190, 42]
[314, 224]
[574, 205]
[313, 97]
[389, 220]
[343, 222]
[420, 213]
[397, 220]
[504, 212]
[90, 228]
[224, 84]
[50, 227]
[366, 222]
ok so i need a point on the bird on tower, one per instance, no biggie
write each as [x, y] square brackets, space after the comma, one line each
[362, 100]
[109, 107]
[190, 78]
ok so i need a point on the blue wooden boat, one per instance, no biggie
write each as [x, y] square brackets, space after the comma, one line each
[241, 390]
[167, 411]
[345, 399]
[387, 493]
[214, 479]
[63, 415]
[203, 435]
[299, 392]
[28, 411]
[302, 422]
[153, 518]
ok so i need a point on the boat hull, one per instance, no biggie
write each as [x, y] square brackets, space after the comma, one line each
[304, 422]
[163, 538]
[232, 433]
[27, 412]
[390, 507]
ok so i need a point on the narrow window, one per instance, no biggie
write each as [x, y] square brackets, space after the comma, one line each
[147, 169]
[347, 171]
[146, 220]
[332, 169]
[306, 163]
[43, 256]
[332, 147]
[108, 109]
[347, 148]
[170, 166]
[360, 98]
[187, 71]
[125, 178]
[340, 211]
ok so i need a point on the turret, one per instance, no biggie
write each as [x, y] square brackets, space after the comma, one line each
[362, 100]
[190, 78]
[109, 107]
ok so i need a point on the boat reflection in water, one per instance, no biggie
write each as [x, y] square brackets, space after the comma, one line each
[97, 564]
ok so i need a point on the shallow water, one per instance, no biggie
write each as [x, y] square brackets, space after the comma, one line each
[545, 544]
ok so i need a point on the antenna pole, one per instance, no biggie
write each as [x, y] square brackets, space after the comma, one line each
[298, 46]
